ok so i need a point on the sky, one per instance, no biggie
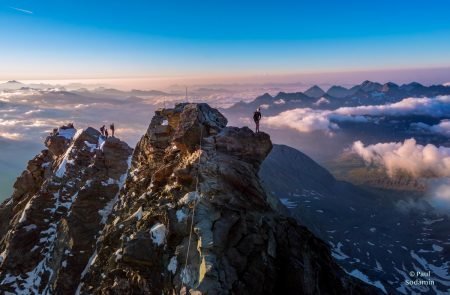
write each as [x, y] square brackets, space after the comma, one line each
[163, 42]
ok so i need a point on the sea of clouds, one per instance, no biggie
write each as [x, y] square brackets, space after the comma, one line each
[28, 113]
[421, 161]
[27, 116]
[308, 120]
[429, 162]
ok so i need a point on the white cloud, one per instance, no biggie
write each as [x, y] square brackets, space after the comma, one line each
[22, 10]
[32, 112]
[11, 136]
[426, 161]
[302, 120]
[29, 114]
[442, 128]
[436, 107]
[439, 194]
[321, 101]
[307, 120]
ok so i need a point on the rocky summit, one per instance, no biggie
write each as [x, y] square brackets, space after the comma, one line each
[191, 218]
[50, 225]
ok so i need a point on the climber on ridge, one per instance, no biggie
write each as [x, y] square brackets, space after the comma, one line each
[112, 129]
[106, 133]
[102, 130]
[257, 118]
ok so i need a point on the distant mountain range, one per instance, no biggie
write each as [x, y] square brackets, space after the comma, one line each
[16, 85]
[367, 92]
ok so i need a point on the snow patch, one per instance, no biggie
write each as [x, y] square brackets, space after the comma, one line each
[91, 146]
[62, 167]
[337, 252]
[109, 181]
[68, 133]
[358, 274]
[23, 217]
[437, 248]
[30, 227]
[2, 256]
[321, 101]
[181, 216]
[101, 142]
[118, 255]
[158, 234]
[431, 221]
[89, 264]
[137, 214]
[288, 203]
[188, 198]
[173, 263]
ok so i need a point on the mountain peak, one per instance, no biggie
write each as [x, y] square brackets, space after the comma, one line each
[189, 159]
[315, 92]
[192, 217]
[369, 86]
[338, 91]
[389, 86]
[60, 203]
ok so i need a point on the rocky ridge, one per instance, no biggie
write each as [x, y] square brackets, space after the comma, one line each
[60, 203]
[235, 243]
[192, 217]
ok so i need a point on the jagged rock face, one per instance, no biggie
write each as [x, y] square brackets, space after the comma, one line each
[193, 218]
[61, 201]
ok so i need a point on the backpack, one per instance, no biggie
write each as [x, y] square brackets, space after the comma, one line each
[256, 116]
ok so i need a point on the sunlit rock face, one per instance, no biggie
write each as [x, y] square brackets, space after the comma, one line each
[233, 243]
[50, 225]
[185, 214]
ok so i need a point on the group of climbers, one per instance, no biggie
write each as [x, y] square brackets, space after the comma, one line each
[104, 130]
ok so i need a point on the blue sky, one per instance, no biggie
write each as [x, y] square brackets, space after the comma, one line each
[115, 39]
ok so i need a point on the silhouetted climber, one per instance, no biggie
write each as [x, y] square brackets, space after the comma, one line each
[106, 133]
[70, 126]
[102, 130]
[257, 118]
[112, 129]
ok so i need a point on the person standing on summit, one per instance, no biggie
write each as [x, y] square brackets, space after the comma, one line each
[112, 129]
[102, 130]
[257, 117]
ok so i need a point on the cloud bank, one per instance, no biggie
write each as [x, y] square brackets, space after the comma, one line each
[307, 120]
[442, 128]
[302, 120]
[439, 194]
[420, 161]
[435, 106]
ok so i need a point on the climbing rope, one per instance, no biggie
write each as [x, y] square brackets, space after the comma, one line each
[193, 209]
